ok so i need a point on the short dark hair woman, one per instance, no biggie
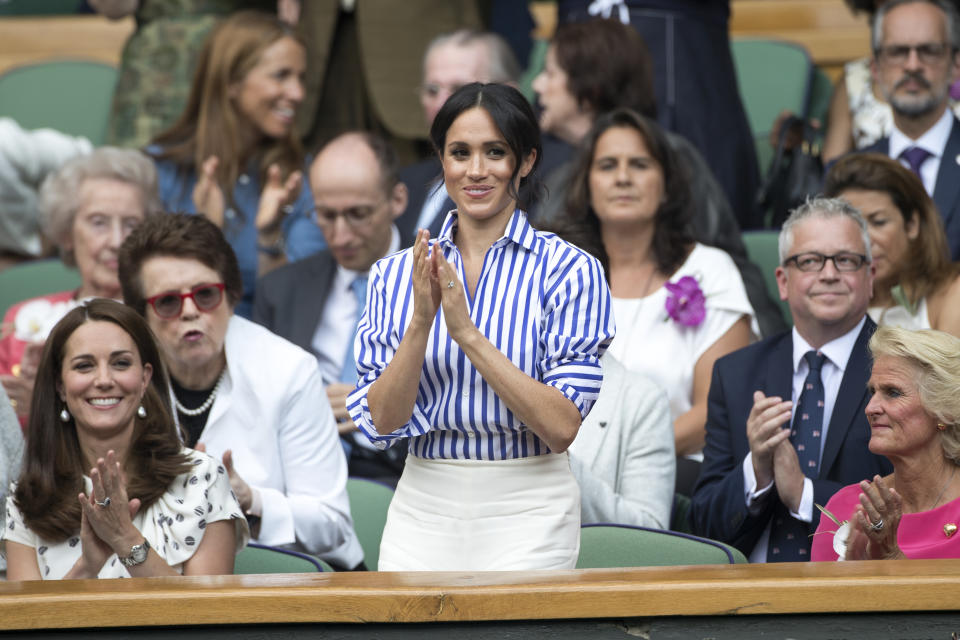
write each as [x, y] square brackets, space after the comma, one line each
[492, 390]
[247, 395]
[101, 428]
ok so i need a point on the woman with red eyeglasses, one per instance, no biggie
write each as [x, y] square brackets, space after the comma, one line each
[242, 393]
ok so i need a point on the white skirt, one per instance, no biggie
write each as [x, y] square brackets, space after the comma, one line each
[483, 515]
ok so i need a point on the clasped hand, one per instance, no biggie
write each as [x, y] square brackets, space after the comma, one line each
[774, 458]
[106, 521]
[874, 524]
[435, 285]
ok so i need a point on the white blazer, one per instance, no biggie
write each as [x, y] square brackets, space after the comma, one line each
[623, 456]
[273, 412]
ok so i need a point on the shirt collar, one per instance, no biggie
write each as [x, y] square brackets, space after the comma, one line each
[346, 276]
[837, 350]
[518, 231]
[934, 140]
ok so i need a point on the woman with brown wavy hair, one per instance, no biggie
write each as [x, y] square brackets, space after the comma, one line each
[234, 155]
[106, 488]
[916, 285]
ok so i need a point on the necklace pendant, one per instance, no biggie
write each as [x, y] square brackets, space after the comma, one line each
[949, 529]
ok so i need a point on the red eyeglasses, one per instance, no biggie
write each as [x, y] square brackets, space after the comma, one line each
[206, 297]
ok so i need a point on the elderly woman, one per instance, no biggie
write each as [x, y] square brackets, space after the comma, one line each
[914, 417]
[916, 285]
[88, 207]
[679, 304]
[245, 394]
[107, 490]
[234, 155]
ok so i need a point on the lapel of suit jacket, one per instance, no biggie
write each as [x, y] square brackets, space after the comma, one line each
[946, 190]
[850, 397]
[780, 369]
[308, 309]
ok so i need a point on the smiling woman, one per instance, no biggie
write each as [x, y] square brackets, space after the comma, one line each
[88, 207]
[107, 490]
[234, 155]
[491, 391]
[914, 414]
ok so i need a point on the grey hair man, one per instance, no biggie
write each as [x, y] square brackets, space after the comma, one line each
[785, 421]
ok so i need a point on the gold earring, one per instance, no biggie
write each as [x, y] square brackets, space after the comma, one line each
[941, 426]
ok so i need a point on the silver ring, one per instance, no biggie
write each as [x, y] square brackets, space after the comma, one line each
[878, 525]
[450, 284]
[104, 504]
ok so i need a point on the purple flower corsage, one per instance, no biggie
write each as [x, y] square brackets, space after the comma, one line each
[685, 304]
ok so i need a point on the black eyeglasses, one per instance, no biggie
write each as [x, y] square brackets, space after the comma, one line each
[206, 297]
[928, 52]
[813, 261]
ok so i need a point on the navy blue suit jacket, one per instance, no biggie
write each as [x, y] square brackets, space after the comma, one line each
[946, 189]
[719, 510]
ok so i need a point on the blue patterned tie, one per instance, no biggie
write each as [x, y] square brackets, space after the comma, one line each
[789, 541]
[915, 157]
[349, 371]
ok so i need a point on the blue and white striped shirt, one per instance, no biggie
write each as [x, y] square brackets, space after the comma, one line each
[542, 302]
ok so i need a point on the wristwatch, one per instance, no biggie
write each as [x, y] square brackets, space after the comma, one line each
[138, 554]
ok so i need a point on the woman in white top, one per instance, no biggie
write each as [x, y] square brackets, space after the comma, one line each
[679, 305]
[107, 490]
[916, 285]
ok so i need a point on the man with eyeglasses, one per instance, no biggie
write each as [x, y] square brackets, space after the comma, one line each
[786, 426]
[916, 57]
[316, 303]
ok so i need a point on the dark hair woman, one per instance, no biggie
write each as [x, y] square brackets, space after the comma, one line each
[492, 390]
[916, 285]
[679, 304]
[101, 428]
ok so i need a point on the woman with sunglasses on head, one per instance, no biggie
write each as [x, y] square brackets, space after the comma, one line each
[243, 393]
[483, 348]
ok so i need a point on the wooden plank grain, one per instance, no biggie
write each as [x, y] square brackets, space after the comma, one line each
[456, 597]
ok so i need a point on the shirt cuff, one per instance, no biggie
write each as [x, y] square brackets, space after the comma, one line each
[750, 492]
[805, 510]
[256, 503]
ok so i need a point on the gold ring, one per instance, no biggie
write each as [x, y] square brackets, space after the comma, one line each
[13, 403]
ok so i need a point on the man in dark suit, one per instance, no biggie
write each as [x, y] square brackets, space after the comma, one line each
[451, 61]
[916, 58]
[785, 417]
[316, 303]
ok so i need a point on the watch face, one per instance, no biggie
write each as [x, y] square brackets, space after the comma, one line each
[138, 554]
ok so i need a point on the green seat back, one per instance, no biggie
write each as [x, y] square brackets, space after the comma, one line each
[257, 558]
[35, 278]
[39, 7]
[71, 96]
[762, 249]
[369, 501]
[606, 546]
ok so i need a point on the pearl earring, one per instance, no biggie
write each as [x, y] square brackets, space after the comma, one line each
[64, 415]
[142, 412]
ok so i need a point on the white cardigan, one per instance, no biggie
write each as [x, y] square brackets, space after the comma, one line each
[272, 411]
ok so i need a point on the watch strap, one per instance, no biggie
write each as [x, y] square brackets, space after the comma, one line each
[138, 554]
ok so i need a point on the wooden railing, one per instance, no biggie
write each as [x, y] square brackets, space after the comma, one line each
[738, 590]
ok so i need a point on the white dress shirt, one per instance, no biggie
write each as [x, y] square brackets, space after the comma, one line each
[934, 141]
[338, 322]
[838, 355]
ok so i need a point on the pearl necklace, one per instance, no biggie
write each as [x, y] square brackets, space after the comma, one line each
[206, 403]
